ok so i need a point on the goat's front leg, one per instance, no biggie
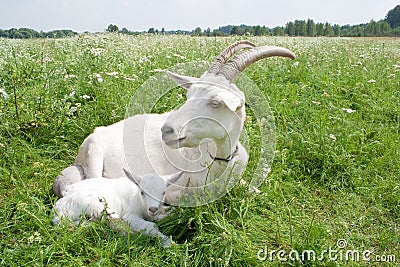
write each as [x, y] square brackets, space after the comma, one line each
[138, 224]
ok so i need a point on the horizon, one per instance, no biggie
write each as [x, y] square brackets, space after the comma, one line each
[94, 16]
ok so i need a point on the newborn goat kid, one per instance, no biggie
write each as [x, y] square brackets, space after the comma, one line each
[136, 201]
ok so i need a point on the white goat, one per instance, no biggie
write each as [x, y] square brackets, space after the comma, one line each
[133, 201]
[200, 138]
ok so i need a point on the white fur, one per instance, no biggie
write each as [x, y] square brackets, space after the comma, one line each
[210, 122]
[134, 201]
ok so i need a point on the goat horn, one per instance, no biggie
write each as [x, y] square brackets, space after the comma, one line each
[242, 61]
[227, 53]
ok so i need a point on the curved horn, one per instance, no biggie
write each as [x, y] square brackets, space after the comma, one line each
[227, 53]
[242, 61]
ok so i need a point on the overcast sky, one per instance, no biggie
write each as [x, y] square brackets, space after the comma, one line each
[96, 15]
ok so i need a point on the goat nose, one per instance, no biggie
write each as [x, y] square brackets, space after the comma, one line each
[153, 209]
[166, 130]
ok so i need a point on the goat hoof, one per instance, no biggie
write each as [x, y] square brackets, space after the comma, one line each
[166, 242]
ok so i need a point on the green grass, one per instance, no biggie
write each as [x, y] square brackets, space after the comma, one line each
[336, 175]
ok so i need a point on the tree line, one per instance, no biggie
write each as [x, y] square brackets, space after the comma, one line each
[26, 33]
[389, 26]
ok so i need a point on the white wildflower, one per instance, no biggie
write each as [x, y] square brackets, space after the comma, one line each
[97, 51]
[392, 75]
[325, 94]
[333, 137]
[85, 97]
[30, 239]
[179, 56]
[113, 74]
[47, 59]
[158, 70]
[69, 76]
[72, 110]
[295, 64]
[266, 171]
[3, 93]
[254, 190]
[99, 78]
[372, 81]
[316, 102]
[72, 94]
[35, 238]
[348, 110]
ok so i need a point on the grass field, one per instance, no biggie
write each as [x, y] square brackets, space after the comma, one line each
[335, 180]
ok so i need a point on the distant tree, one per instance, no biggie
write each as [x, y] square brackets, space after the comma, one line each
[278, 31]
[4, 34]
[311, 31]
[235, 30]
[197, 31]
[162, 31]
[248, 30]
[384, 28]
[328, 31]
[265, 31]
[371, 29]
[124, 31]
[393, 17]
[112, 28]
[300, 28]
[151, 30]
[218, 33]
[319, 29]
[226, 29]
[290, 29]
[207, 32]
[336, 30]
[17, 35]
[257, 30]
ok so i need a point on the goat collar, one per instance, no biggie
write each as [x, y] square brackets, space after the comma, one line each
[229, 158]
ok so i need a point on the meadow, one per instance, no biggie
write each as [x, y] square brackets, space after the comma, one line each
[334, 184]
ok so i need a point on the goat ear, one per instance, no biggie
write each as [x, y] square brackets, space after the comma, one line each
[174, 177]
[134, 179]
[232, 100]
[181, 80]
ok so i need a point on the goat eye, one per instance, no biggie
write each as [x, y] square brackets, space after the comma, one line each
[215, 104]
[142, 193]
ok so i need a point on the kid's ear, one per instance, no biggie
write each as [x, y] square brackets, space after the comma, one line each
[181, 80]
[135, 179]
